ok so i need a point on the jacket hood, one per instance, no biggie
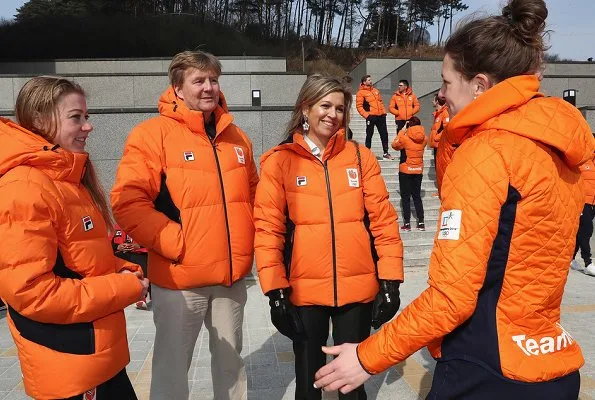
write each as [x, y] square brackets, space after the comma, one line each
[171, 106]
[416, 133]
[298, 145]
[21, 147]
[407, 92]
[440, 110]
[517, 106]
[365, 87]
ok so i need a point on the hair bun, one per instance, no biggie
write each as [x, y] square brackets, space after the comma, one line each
[527, 18]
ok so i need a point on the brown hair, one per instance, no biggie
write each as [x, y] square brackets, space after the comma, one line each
[413, 121]
[36, 109]
[315, 88]
[191, 59]
[501, 46]
[440, 100]
[365, 77]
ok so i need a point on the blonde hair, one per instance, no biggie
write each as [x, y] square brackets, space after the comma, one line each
[191, 59]
[36, 109]
[315, 88]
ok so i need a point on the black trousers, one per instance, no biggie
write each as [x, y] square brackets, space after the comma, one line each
[463, 380]
[585, 230]
[378, 121]
[400, 124]
[351, 324]
[119, 387]
[410, 186]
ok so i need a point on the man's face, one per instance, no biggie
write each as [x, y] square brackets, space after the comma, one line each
[402, 87]
[199, 90]
[368, 81]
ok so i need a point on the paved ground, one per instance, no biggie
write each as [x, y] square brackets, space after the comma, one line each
[269, 358]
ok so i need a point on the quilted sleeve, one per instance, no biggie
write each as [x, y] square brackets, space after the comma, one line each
[383, 220]
[29, 249]
[474, 189]
[392, 107]
[269, 220]
[415, 104]
[138, 181]
[359, 104]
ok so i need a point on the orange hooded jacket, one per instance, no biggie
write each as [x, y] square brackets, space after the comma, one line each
[441, 119]
[327, 248]
[588, 174]
[368, 101]
[187, 199]
[404, 105]
[412, 143]
[511, 199]
[58, 273]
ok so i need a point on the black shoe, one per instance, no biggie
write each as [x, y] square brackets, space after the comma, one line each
[421, 226]
[406, 227]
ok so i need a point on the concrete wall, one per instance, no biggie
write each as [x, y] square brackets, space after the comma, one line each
[134, 91]
[589, 114]
[378, 68]
[140, 65]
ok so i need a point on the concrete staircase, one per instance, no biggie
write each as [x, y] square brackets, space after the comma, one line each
[418, 244]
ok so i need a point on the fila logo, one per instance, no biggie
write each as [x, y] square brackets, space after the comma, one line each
[118, 233]
[301, 181]
[188, 156]
[240, 155]
[87, 223]
[91, 394]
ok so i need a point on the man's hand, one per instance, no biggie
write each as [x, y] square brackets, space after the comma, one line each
[344, 373]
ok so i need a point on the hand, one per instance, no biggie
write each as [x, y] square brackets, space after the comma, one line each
[284, 315]
[134, 246]
[345, 373]
[145, 288]
[123, 247]
[386, 304]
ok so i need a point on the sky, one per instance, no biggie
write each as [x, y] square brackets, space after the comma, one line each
[571, 23]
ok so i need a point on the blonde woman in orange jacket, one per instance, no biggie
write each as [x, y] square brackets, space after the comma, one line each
[585, 228]
[511, 195]
[313, 252]
[65, 289]
[411, 141]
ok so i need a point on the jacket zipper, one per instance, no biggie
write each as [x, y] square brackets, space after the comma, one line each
[330, 204]
[225, 211]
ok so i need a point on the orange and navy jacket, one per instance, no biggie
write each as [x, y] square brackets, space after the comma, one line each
[441, 119]
[59, 276]
[310, 232]
[187, 199]
[412, 143]
[511, 199]
[368, 101]
[120, 237]
[588, 174]
[404, 105]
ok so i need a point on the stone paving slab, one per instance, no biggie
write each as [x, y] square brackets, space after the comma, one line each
[269, 357]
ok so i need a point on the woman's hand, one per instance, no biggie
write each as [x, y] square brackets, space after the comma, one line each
[344, 373]
[123, 247]
[143, 281]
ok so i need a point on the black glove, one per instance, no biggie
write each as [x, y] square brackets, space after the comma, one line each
[386, 304]
[284, 315]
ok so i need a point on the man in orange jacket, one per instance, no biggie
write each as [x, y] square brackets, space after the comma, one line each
[403, 104]
[368, 102]
[185, 190]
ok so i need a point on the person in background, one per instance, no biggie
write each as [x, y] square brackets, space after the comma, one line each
[585, 227]
[403, 104]
[411, 141]
[320, 200]
[127, 248]
[185, 190]
[347, 81]
[511, 196]
[368, 102]
[64, 288]
[441, 120]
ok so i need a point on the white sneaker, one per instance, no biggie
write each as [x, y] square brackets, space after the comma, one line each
[575, 265]
[590, 269]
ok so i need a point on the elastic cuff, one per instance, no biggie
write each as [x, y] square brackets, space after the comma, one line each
[360, 361]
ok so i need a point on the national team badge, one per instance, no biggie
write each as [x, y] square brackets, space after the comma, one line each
[301, 181]
[240, 155]
[87, 223]
[188, 156]
[91, 394]
[353, 177]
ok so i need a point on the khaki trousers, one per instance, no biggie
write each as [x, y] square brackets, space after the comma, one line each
[178, 317]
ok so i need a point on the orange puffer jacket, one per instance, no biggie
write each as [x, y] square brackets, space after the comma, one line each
[441, 119]
[404, 105]
[368, 101]
[511, 200]
[588, 173]
[412, 143]
[187, 200]
[57, 270]
[327, 248]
